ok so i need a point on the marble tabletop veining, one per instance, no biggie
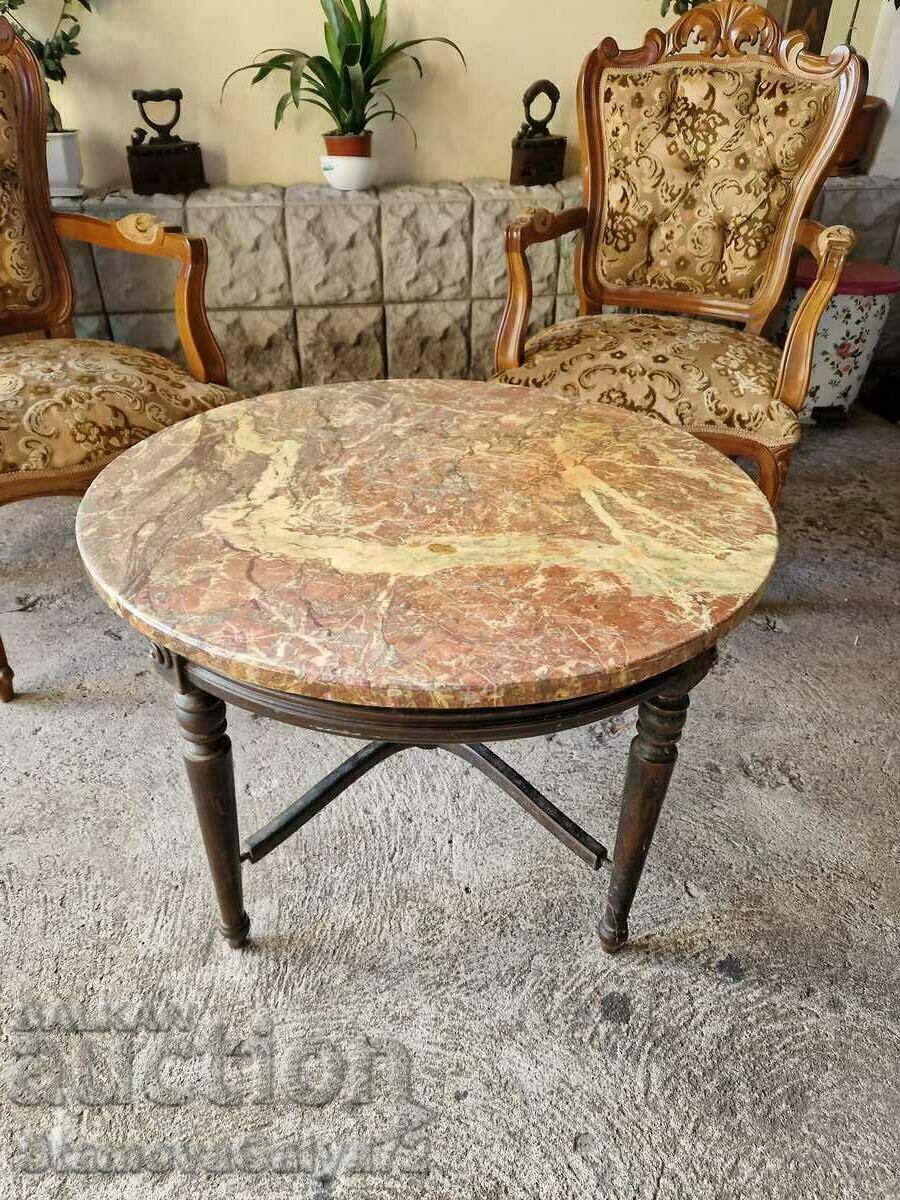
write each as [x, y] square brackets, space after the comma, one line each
[422, 544]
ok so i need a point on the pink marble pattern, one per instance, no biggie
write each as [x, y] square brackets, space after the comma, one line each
[425, 544]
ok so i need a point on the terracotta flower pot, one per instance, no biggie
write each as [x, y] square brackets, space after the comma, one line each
[347, 163]
[349, 145]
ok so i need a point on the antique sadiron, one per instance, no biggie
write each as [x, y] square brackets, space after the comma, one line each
[163, 162]
[68, 407]
[704, 151]
[538, 156]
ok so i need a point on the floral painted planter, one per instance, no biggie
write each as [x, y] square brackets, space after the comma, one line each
[848, 334]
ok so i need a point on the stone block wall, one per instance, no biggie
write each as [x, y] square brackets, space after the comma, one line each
[308, 285]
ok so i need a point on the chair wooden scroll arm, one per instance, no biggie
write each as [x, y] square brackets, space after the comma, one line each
[829, 247]
[141, 233]
[534, 225]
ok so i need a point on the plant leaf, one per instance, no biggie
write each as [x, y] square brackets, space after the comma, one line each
[382, 99]
[334, 50]
[322, 73]
[298, 66]
[262, 70]
[424, 41]
[330, 86]
[365, 32]
[358, 94]
[379, 29]
[334, 16]
[280, 107]
[263, 73]
[392, 113]
[395, 49]
[352, 18]
[305, 95]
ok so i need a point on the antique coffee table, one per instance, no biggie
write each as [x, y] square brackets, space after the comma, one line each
[430, 564]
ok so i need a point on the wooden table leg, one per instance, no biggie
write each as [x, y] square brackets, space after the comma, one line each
[651, 761]
[207, 757]
[6, 677]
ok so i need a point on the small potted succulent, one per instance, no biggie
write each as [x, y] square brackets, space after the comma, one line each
[63, 151]
[347, 83]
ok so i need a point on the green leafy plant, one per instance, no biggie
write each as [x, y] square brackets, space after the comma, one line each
[349, 83]
[50, 52]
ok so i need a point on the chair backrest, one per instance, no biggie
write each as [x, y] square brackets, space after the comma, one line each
[703, 151]
[35, 282]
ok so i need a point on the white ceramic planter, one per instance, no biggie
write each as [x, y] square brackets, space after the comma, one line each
[848, 333]
[348, 174]
[845, 346]
[64, 163]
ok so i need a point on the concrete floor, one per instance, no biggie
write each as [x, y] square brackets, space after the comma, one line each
[426, 1011]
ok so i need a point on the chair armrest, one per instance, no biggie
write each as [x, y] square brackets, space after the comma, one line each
[830, 248]
[533, 226]
[141, 233]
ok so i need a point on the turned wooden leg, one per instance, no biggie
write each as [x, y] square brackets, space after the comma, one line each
[651, 761]
[6, 677]
[207, 758]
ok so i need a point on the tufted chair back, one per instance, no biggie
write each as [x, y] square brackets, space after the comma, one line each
[35, 284]
[703, 151]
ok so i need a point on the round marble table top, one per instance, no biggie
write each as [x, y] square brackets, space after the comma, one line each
[422, 544]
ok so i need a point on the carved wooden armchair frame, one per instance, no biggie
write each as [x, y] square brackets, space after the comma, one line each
[51, 315]
[723, 30]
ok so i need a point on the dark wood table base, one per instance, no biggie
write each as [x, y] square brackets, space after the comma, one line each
[201, 695]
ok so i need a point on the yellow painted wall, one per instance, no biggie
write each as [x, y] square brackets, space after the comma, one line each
[464, 121]
[877, 36]
[864, 30]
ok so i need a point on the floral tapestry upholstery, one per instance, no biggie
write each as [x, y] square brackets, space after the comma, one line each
[21, 282]
[707, 378]
[66, 404]
[701, 160]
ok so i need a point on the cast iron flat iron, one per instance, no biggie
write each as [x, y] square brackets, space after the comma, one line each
[538, 156]
[165, 163]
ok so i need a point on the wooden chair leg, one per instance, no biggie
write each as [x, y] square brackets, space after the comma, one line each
[207, 758]
[6, 677]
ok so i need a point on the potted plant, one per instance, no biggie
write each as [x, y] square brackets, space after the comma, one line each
[63, 151]
[347, 83]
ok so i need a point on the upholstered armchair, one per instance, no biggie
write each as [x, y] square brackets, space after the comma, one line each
[703, 153]
[68, 407]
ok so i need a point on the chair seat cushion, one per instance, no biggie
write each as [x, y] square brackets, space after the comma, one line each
[67, 405]
[707, 378]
